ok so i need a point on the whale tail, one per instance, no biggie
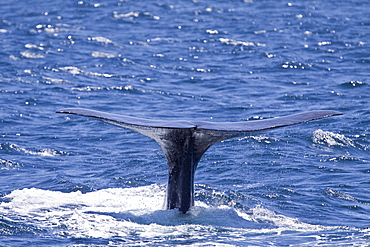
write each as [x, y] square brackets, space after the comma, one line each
[184, 142]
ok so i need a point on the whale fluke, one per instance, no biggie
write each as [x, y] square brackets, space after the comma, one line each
[184, 142]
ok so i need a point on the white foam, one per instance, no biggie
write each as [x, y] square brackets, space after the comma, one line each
[282, 222]
[127, 15]
[237, 42]
[9, 165]
[76, 71]
[42, 152]
[331, 139]
[114, 200]
[28, 54]
[84, 215]
[139, 212]
[102, 40]
[103, 54]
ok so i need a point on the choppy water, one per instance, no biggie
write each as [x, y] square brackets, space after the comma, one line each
[71, 181]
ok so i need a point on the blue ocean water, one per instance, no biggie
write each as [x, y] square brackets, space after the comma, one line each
[72, 181]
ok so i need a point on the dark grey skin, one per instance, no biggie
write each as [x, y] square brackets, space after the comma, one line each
[184, 142]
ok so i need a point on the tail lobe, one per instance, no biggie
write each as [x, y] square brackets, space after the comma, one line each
[184, 142]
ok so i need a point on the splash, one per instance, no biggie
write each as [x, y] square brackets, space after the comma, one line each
[331, 139]
[134, 214]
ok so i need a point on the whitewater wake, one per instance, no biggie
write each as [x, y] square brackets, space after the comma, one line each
[138, 213]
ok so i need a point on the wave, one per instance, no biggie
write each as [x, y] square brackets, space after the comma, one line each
[28, 54]
[19, 149]
[333, 139]
[76, 71]
[9, 165]
[237, 42]
[133, 214]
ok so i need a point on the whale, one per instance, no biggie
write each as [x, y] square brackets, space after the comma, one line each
[184, 142]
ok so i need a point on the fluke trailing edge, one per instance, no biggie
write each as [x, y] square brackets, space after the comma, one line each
[184, 142]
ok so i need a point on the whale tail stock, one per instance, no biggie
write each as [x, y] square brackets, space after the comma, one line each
[184, 142]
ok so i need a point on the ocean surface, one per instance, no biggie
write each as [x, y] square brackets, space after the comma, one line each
[72, 181]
